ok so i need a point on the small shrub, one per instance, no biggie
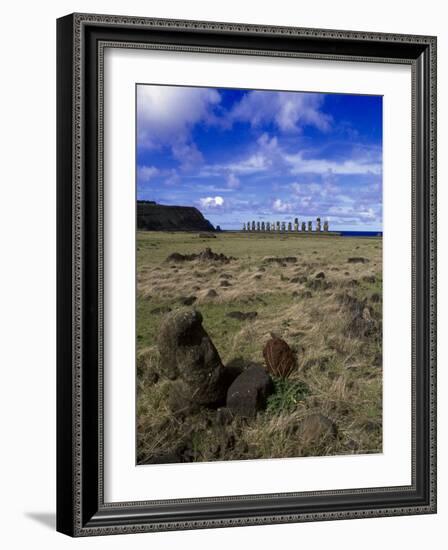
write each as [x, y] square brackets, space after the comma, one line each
[286, 396]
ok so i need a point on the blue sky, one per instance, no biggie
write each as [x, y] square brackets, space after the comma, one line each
[241, 155]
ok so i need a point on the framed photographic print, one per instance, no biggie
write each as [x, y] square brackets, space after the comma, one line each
[246, 274]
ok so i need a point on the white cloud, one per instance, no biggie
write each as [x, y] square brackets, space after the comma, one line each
[280, 206]
[299, 165]
[250, 165]
[187, 154]
[211, 202]
[172, 178]
[146, 173]
[287, 110]
[355, 212]
[265, 156]
[314, 189]
[166, 114]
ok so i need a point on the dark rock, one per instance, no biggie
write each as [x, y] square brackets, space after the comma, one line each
[239, 364]
[375, 297]
[316, 427]
[224, 283]
[320, 275]
[249, 392]
[231, 371]
[161, 309]
[177, 257]
[279, 357]
[357, 260]
[187, 351]
[211, 293]
[242, 316]
[158, 217]
[207, 255]
[187, 300]
[369, 278]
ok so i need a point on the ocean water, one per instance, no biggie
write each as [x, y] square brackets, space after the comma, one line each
[361, 233]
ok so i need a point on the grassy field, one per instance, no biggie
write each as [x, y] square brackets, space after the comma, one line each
[333, 324]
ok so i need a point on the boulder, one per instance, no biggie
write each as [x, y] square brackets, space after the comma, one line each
[279, 357]
[249, 392]
[357, 260]
[186, 351]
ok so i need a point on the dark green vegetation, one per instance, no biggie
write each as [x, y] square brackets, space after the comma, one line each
[303, 289]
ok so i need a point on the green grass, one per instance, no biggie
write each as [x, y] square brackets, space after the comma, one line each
[287, 394]
[339, 374]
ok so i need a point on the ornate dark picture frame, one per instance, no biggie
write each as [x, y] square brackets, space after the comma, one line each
[81, 509]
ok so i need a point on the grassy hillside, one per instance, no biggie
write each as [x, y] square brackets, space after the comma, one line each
[339, 372]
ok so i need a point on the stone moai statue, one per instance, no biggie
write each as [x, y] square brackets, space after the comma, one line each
[289, 226]
[263, 227]
[318, 226]
[268, 226]
[303, 226]
[296, 224]
[258, 226]
[283, 226]
[253, 226]
[248, 226]
[244, 227]
[278, 226]
[310, 226]
[326, 226]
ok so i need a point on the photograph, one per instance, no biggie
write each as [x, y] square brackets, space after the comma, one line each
[259, 257]
[246, 272]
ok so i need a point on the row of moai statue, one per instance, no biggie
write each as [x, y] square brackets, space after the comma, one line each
[283, 226]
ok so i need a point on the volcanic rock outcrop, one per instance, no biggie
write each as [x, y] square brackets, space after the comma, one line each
[159, 217]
